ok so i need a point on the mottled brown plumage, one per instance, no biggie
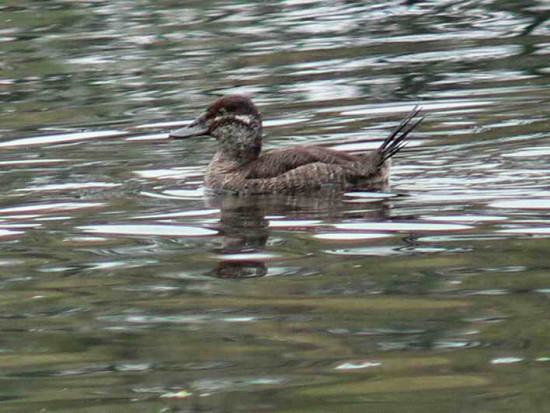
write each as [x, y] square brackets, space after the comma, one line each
[239, 167]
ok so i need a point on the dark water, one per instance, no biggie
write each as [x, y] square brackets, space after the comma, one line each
[125, 289]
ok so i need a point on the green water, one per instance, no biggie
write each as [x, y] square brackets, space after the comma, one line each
[124, 288]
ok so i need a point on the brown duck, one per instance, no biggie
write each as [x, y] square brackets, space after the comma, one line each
[239, 167]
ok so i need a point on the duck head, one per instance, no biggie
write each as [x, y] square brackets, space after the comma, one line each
[235, 122]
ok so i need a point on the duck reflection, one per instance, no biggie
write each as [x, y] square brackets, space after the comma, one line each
[245, 225]
[244, 230]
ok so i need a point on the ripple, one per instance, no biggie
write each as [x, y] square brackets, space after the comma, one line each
[33, 162]
[67, 186]
[257, 256]
[19, 226]
[375, 195]
[53, 139]
[183, 214]
[179, 194]
[434, 105]
[357, 365]
[507, 360]
[462, 55]
[85, 240]
[386, 251]
[283, 122]
[466, 218]
[351, 236]
[120, 264]
[186, 193]
[297, 223]
[152, 230]
[8, 233]
[152, 137]
[402, 226]
[522, 204]
[181, 319]
[527, 231]
[175, 173]
[60, 206]
[170, 124]
[526, 153]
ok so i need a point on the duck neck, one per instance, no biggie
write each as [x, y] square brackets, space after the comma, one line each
[239, 143]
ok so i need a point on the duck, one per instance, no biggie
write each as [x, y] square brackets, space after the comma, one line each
[239, 167]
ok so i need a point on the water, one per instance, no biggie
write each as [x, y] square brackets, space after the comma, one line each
[125, 288]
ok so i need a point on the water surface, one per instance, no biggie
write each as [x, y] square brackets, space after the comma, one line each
[126, 288]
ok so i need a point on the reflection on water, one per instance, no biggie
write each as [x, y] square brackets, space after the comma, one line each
[129, 288]
[245, 224]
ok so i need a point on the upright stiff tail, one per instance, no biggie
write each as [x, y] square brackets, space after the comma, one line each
[398, 138]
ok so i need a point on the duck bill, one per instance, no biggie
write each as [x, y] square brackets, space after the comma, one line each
[197, 128]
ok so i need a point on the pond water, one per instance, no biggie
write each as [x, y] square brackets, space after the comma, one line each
[124, 288]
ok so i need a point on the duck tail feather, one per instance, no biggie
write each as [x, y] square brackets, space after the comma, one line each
[398, 138]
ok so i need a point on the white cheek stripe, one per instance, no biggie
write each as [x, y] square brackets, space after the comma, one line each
[246, 119]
